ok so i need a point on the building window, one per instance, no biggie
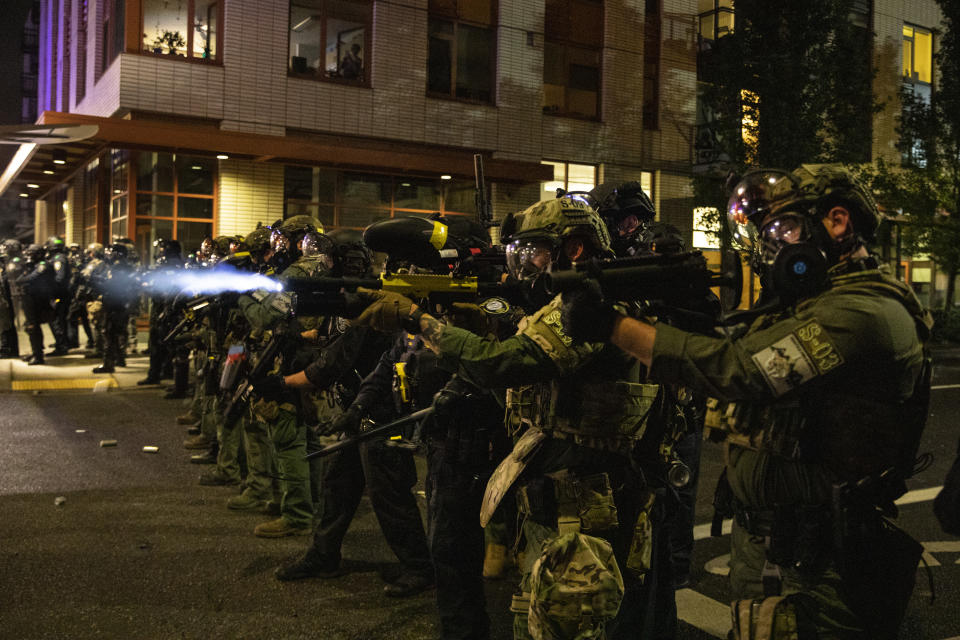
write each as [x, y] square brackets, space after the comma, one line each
[175, 199]
[715, 18]
[460, 57]
[573, 38]
[119, 192]
[183, 28]
[706, 228]
[329, 39]
[651, 65]
[112, 33]
[83, 15]
[918, 61]
[569, 177]
[88, 220]
[345, 199]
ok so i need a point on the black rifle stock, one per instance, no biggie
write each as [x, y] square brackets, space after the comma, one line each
[194, 312]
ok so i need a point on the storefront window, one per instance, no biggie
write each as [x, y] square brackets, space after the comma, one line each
[356, 200]
[175, 199]
[119, 174]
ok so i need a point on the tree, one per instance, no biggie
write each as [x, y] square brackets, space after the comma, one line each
[791, 84]
[927, 186]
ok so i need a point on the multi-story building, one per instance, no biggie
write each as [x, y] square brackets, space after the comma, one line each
[900, 42]
[215, 115]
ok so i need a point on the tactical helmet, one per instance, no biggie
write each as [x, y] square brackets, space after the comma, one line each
[94, 250]
[222, 246]
[285, 238]
[34, 252]
[258, 241]
[11, 248]
[167, 251]
[352, 258]
[54, 245]
[752, 199]
[830, 185]
[539, 231]
[622, 203]
[116, 253]
[206, 250]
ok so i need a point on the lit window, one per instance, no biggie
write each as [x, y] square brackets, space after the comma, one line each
[329, 39]
[569, 177]
[706, 228]
[189, 28]
[750, 123]
[573, 37]
[716, 18]
[460, 56]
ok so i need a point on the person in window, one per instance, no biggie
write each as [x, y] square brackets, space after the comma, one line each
[351, 64]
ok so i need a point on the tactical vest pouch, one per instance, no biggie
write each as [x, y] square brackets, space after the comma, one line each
[774, 618]
[613, 411]
[640, 555]
[584, 503]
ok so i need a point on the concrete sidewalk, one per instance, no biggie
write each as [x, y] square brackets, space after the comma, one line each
[72, 371]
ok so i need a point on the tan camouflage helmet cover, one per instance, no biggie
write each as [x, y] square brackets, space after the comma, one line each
[562, 217]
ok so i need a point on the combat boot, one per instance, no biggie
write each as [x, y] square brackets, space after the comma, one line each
[280, 528]
[104, 368]
[216, 478]
[197, 442]
[188, 418]
[311, 565]
[246, 501]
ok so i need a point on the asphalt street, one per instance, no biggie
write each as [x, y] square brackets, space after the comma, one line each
[112, 542]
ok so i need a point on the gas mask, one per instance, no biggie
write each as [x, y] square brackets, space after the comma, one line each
[792, 262]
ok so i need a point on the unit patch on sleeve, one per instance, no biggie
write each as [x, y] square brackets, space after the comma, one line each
[801, 356]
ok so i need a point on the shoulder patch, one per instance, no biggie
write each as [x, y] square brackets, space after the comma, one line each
[799, 357]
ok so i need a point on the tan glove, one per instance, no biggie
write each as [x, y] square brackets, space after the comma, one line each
[386, 312]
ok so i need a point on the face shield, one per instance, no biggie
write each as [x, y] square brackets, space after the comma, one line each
[528, 258]
[317, 245]
[784, 230]
[750, 201]
[279, 243]
[206, 249]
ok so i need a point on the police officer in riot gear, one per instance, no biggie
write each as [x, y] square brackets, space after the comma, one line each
[582, 410]
[167, 260]
[9, 266]
[118, 289]
[36, 284]
[821, 400]
[59, 263]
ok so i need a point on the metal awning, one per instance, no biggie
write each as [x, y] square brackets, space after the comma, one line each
[34, 163]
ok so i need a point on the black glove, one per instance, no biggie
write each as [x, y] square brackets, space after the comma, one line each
[586, 316]
[349, 421]
[269, 386]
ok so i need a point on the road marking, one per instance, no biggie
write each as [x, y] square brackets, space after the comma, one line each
[919, 495]
[703, 612]
[937, 387]
[60, 383]
[719, 566]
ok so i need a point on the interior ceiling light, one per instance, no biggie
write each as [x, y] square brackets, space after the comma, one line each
[48, 169]
[59, 156]
[446, 177]
[24, 195]
[222, 156]
[31, 185]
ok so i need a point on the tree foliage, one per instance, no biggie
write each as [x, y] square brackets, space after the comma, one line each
[925, 190]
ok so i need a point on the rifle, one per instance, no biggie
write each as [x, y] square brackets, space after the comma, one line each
[370, 433]
[195, 311]
[333, 295]
[667, 278]
[234, 409]
[482, 204]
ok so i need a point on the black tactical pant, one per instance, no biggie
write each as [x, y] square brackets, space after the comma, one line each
[8, 328]
[389, 475]
[454, 493]
[114, 332]
[33, 308]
